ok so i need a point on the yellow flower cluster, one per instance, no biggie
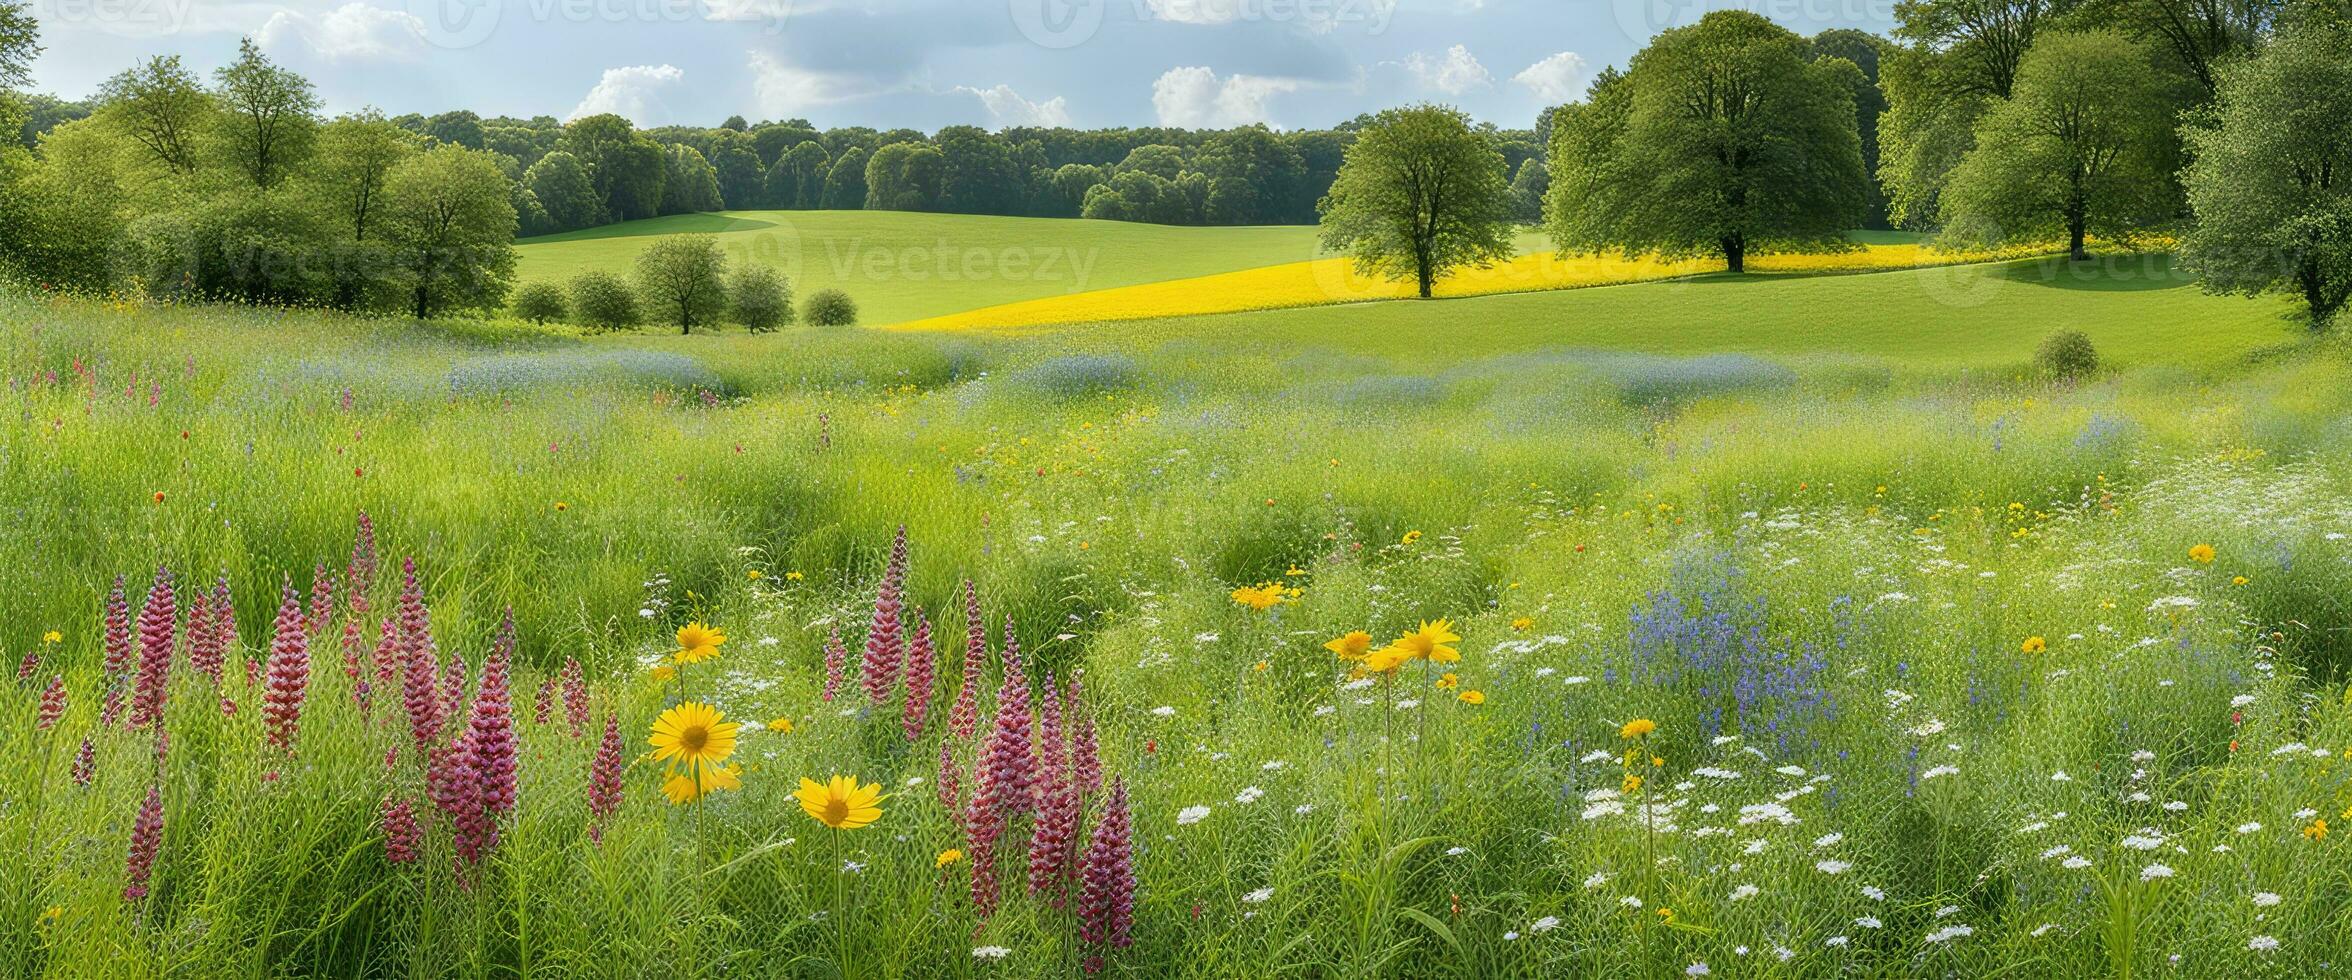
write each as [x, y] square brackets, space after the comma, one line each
[1324, 282]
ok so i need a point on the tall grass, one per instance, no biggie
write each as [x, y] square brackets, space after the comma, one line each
[1818, 576]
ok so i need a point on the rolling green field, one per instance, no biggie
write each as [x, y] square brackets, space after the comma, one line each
[1953, 669]
[905, 266]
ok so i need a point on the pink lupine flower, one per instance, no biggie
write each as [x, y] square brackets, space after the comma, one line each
[26, 667]
[322, 601]
[1008, 760]
[884, 638]
[224, 616]
[52, 704]
[835, 658]
[388, 653]
[604, 779]
[85, 764]
[419, 660]
[492, 736]
[355, 651]
[575, 696]
[146, 838]
[964, 717]
[1085, 753]
[983, 823]
[918, 679]
[158, 639]
[543, 706]
[401, 834]
[289, 675]
[111, 707]
[1106, 911]
[453, 687]
[1053, 840]
[205, 651]
[951, 778]
[1053, 756]
[360, 574]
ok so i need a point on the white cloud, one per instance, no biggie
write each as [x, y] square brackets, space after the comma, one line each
[349, 33]
[1196, 11]
[783, 89]
[1008, 108]
[1558, 78]
[638, 93]
[1454, 73]
[1195, 98]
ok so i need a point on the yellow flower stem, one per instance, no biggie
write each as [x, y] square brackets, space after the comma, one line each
[840, 904]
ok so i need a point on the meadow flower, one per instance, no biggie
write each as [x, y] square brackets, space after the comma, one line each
[1259, 597]
[289, 675]
[1258, 895]
[1745, 892]
[697, 643]
[1191, 815]
[2262, 944]
[2266, 899]
[401, 834]
[1386, 660]
[146, 838]
[990, 952]
[885, 640]
[2034, 644]
[2155, 871]
[963, 717]
[696, 737]
[1430, 642]
[836, 663]
[1106, 910]
[604, 779]
[157, 641]
[920, 661]
[1950, 932]
[1832, 867]
[52, 704]
[947, 857]
[2202, 554]
[2317, 830]
[841, 802]
[1637, 728]
[1472, 697]
[1353, 645]
[682, 789]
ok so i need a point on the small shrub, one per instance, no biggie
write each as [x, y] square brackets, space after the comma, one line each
[2067, 355]
[759, 297]
[601, 301]
[540, 301]
[829, 308]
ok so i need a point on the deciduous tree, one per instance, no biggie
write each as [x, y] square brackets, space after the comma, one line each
[1421, 194]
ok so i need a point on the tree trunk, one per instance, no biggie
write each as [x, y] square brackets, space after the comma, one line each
[2076, 214]
[2315, 297]
[1735, 254]
[421, 303]
[1426, 280]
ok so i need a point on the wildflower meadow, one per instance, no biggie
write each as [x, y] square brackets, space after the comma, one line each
[358, 648]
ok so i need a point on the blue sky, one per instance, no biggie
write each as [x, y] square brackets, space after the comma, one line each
[916, 63]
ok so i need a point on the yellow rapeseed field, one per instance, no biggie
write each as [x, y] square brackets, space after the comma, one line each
[1323, 282]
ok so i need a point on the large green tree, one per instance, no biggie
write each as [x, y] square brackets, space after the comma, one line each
[2081, 146]
[450, 226]
[1420, 194]
[1961, 55]
[161, 107]
[905, 176]
[20, 43]
[845, 182]
[2271, 185]
[564, 189]
[354, 163]
[1724, 137]
[1868, 52]
[684, 280]
[690, 185]
[268, 118]
[2199, 37]
[627, 168]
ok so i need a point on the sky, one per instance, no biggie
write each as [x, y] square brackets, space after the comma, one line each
[922, 64]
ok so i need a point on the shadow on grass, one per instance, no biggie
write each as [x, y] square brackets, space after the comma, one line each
[2112, 273]
[676, 224]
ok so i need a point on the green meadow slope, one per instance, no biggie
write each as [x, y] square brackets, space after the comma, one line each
[2136, 309]
[903, 265]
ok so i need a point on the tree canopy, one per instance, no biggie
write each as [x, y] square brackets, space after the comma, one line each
[1721, 138]
[1420, 194]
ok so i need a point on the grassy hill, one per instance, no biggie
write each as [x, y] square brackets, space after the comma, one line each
[2136, 309]
[903, 266]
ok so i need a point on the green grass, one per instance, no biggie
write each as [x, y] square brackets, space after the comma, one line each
[2136, 309]
[1799, 523]
[903, 266]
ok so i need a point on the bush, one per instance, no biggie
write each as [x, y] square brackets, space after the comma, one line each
[830, 308]
[759, 297]
[540, 301]
[682, 280]
[601, 301]
[2067, 355]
